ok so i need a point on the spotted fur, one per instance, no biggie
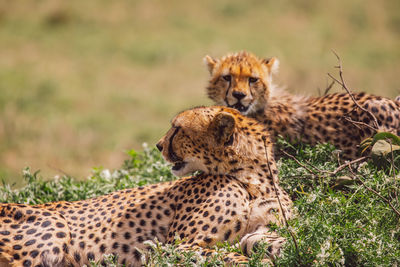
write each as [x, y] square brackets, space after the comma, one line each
[233, 198]
[244, 82]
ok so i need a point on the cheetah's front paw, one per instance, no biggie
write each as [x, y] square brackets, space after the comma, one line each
[251, 242]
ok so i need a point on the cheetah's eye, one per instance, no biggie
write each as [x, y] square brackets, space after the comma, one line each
[227, 78]
[253, 79]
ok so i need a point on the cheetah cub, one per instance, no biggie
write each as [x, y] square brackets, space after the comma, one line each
[244, 82]
[235, 196]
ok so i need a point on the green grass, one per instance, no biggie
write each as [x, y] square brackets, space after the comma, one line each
[338, 223]
[83, 81]
[141, 168]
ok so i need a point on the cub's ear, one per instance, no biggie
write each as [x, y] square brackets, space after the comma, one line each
[272, 64]
[222, 128]
[210, 62]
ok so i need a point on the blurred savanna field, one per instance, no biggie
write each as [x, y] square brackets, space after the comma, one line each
[82, 82]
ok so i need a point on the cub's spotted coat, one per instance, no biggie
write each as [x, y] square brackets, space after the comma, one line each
[244, 82]
[235, 197]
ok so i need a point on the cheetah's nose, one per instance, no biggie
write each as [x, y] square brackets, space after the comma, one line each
[238, 95]
[159, 146]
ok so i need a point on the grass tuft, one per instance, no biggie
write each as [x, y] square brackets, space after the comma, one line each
[350, 226]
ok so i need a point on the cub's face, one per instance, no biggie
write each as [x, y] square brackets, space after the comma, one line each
[241, 81]
[208, 139]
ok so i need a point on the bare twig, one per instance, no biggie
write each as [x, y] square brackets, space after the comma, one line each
[360, 123]
[277, 196]
[341, 167]
[330, 173]
[344, 86]
[376, 193]
[298, 162]
[329, 87]
[298, 176]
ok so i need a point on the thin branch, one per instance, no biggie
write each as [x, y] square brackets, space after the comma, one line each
[329, 88]
[376, 193]
[330, 173]
[298, 176]
[277, 196]
[344, 86]
[298, 162]
[360, 123]
[341, 167]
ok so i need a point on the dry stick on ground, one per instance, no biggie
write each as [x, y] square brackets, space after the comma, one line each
[298, 162]
[344, 86]
[331, 173]
[299, 176]
[341, 167]
[376, 193]
[279, 200]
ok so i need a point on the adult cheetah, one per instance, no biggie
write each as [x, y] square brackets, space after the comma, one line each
[235, 196]
[244, 82]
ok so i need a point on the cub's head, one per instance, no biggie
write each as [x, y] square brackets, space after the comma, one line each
[241, 81]
[215, 140]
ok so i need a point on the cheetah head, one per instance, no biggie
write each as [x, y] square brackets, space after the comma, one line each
[214, 140]
[241, 81]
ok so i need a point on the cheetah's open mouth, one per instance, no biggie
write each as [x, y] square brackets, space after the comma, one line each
[239, 107]
[178, 165]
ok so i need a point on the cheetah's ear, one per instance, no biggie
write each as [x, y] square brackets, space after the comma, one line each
[272, 64]
[222, 128]
[210, 62]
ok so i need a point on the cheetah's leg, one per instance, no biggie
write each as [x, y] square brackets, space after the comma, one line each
[250, 241]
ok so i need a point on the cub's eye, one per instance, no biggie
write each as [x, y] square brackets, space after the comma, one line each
[253, 79]
[227, 78]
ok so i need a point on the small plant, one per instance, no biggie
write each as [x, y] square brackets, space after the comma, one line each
[110, 260]
[355, 224]
[141, 168]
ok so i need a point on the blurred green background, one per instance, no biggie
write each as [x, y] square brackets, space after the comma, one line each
[81, 82]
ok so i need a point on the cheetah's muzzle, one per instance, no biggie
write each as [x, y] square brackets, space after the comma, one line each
[178, 165]
[238, 106]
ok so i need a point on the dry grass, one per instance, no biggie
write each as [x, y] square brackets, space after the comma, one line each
[83, 81]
